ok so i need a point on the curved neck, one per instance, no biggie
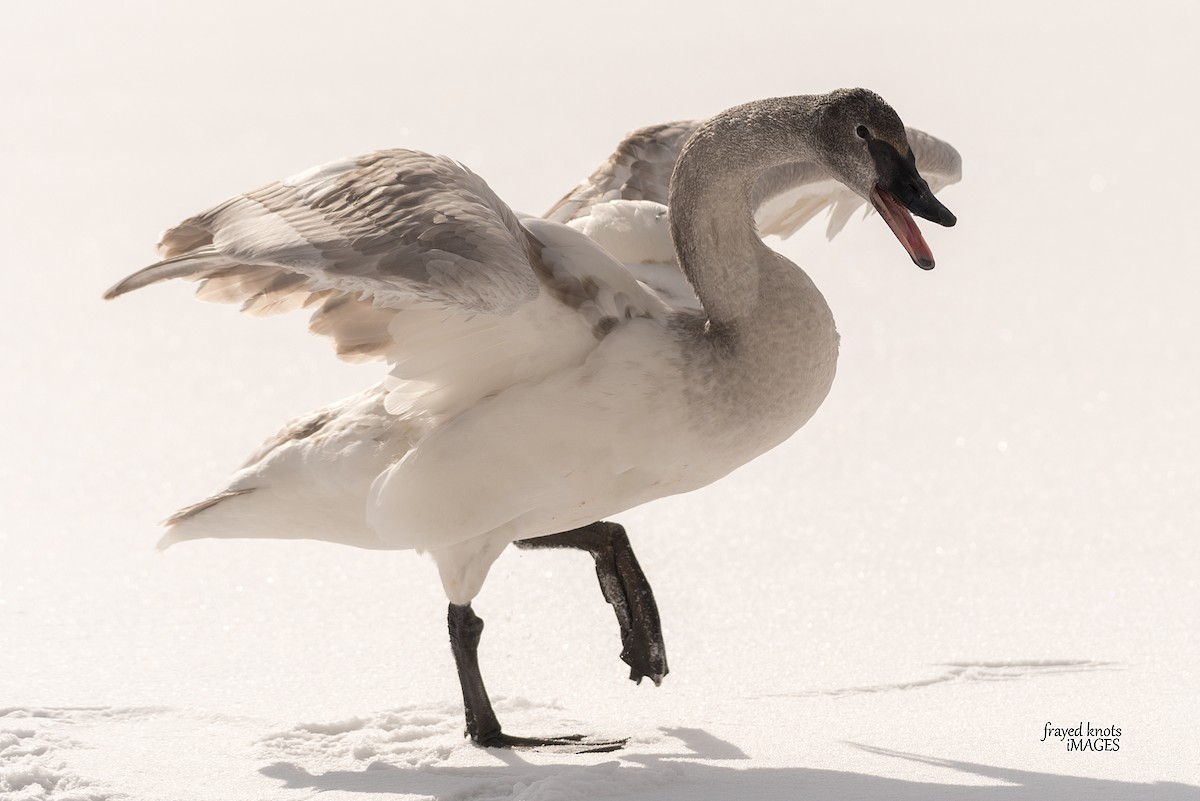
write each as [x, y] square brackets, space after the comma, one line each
[711, 201]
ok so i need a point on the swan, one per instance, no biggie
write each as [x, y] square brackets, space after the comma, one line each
[546, 373]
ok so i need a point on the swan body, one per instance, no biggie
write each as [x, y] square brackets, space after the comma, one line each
[577, 427]
[543, 374]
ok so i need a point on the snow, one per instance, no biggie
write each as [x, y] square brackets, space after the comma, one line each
[990, 525]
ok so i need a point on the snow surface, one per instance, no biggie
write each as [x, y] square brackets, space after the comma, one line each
[991, 524]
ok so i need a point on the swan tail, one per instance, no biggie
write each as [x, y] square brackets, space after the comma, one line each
[177, 532]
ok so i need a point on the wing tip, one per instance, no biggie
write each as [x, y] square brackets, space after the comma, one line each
[141, 278]
[938, 156]
[182, 266]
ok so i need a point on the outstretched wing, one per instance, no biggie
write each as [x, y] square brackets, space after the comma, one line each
[785, 197]
[356, 239]
[639, 169]
[411, 258]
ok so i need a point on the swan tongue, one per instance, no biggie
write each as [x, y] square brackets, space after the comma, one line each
[902, 225]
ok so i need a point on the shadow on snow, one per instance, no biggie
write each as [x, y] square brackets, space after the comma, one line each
[672, 777]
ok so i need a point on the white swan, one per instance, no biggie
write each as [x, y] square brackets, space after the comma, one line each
[535, 385]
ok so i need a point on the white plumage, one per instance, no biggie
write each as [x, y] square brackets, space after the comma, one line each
[542, 373]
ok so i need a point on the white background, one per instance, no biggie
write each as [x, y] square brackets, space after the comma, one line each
[990, 525]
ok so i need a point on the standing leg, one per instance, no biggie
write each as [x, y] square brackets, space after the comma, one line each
[625, 587]
[482, 725]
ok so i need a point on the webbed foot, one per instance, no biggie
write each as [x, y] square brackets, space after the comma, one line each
[568, 744]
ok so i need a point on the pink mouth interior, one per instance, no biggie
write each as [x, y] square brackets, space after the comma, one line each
[902, 225]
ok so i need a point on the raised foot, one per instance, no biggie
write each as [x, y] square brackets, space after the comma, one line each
[568, 744]
[626, 588]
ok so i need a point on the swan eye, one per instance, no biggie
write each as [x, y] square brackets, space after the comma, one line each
[863, 133]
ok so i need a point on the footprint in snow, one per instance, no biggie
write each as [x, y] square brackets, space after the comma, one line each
[33, 743]
[407, 735]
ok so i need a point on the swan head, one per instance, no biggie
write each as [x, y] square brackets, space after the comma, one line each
[861, 139]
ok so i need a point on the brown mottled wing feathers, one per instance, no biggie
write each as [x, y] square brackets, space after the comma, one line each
[396, 224]
[639, 169]
[358, 240]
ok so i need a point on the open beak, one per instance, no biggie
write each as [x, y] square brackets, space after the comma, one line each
[900, 190]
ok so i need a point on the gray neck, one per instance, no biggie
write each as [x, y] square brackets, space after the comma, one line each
[711, 202]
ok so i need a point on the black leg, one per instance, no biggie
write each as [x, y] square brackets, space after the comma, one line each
[625, 587]
[482, 725]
